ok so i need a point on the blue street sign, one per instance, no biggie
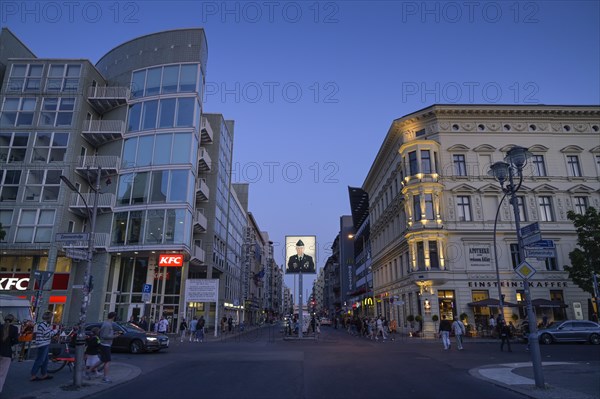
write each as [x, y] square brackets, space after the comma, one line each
[542, 244]
[147, 288]
[530, 229]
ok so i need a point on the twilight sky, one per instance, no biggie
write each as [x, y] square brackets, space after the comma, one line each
[314, 86]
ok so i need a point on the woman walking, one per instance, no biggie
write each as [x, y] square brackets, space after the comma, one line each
[9, 336]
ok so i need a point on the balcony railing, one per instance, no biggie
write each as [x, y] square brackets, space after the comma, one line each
[109, 165]
[206, 132]
[202, 191]
[198, 255]
[106, 202]
[99, 132]
[204, 161]
[200, 222]
[106, 98]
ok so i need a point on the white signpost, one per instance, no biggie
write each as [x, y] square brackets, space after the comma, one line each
[204, 290]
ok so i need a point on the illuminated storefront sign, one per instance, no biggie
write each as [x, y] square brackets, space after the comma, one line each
[170, 260]
[10, 283]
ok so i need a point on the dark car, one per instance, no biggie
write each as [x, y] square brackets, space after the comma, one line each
[571, 331]
[131, 338]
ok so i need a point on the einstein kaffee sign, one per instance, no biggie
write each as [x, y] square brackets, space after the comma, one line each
[479, 255]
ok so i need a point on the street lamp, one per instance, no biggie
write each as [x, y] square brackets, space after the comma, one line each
[80, 341]
[513, 164]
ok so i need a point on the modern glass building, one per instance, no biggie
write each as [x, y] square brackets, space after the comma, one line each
[133, 126]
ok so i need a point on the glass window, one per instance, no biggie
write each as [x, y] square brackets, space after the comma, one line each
[420, 256]
[463, 204]
[57, 111]
[187, 79]
[460, 166]
[425, 161]
[162, 149]
[119, 228]
[546, 212]
[137, 83]
[539, 167]
[17, 112]
[178, 190]
[429, 206]
[154, 226]
[135, 112]
[434, 260]
[185, 112]
[581, 205]
[35, 226]
[145, 150]
[140, 188]
[150, 112]
[13, 146]
[182, 142]
[153, 81]
[129, 153]
[135, 227]
[551, 264]
[158, 189]
[9, 184]
[124, 189]
[49, 147]
[574, 168]
[42, 185]
[412, 163]
[515, 255]
[167, 113]
[417, 207]
[169, 79]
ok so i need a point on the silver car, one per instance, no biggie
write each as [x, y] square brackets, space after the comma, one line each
[571, 331]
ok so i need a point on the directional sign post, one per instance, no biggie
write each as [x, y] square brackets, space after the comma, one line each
[525, 270]
[70, 237]
[147, 293]
[541, 244]
[540, 252]
[75, 253]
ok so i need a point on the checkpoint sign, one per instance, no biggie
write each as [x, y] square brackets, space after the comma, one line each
[525, 270]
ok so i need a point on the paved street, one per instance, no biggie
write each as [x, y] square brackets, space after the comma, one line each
[260, 364]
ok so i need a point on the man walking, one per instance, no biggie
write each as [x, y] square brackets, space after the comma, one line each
[193, 327]
[459, 330]
[444, 331]
[107, 335]
[505, 336]
[162, 326]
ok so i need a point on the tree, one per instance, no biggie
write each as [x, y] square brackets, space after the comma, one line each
[2, 232]
[585, 260]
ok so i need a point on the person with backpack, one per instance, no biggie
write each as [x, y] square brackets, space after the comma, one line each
[459, 330]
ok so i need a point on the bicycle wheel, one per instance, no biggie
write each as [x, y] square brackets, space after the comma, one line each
[55, 366]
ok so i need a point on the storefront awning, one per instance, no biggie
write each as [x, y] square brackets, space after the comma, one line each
[546, 303]
[492, 303]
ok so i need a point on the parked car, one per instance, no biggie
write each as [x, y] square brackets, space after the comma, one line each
[325, 321]
[131, 338]
[571, 331]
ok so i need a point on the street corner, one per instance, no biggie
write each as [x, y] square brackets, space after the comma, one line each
[515, 376]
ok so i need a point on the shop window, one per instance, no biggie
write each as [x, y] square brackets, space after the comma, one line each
[481, 313]
[558, 313]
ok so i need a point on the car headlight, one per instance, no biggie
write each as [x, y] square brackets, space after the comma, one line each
[151, 339]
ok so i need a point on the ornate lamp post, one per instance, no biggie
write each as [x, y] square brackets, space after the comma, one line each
[512, 167]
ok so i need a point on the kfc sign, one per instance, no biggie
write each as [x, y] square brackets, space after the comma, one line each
[7, 284]
[170, 260]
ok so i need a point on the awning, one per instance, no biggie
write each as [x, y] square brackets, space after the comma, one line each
[546, 303]
[492, 303]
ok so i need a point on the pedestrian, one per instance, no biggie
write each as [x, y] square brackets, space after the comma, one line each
[505, 336]
[545, 321]
[183, 327]
[313, 324]
[393, 329]
[25, 337]
[444, 331]
[379, 325]
[9, 336]
[223, 321]
[92, 352]
[459, 330]
[193, 327]
[162, 326]
[492, 324]
[143, 324]
[107, 335]
[525, 332]
[43, 334]
[200, 330]
[230, 324]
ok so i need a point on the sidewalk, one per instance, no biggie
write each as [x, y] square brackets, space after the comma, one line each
[18, 386]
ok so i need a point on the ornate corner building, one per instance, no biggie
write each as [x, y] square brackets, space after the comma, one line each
[432, 210]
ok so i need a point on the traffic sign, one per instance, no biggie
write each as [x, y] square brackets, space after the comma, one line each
[73, 253]
[147, 293]
[525, 270]
[530, 229]
[531, 239]
[68, 237]
[540, 252]
[542, 244]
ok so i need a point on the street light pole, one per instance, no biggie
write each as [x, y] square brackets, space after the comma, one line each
[517, 158]
[500, 299]
[80, 340]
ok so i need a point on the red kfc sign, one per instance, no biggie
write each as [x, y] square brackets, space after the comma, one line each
[170, 260]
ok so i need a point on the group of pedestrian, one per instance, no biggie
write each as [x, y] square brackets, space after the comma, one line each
[456, 327]
[372, 328]
[195, 330]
